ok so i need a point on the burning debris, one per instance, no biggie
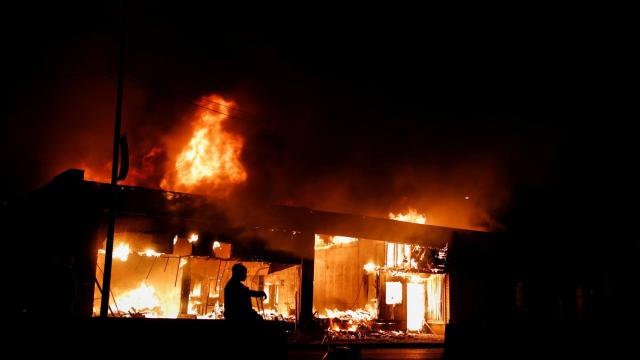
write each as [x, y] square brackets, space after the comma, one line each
[139, 302]
[349, 320]
[379, 336]
[181, 284]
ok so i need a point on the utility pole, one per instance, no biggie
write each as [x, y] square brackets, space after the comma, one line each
[111, 215]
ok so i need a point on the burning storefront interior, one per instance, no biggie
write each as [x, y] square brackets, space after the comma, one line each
[186, 282]
[354, 278]
[385, 289]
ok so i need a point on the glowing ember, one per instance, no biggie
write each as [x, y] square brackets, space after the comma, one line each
[122, 252]
[349, 320]
[216, 245]
[193, 238]
[357, 315]
[270, 314]
[411, 216]
[210, 162]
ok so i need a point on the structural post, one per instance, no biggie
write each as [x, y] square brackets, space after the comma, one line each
[111, 215]
[306, 287]
[185, 289]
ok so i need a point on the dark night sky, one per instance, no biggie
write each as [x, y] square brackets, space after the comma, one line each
[407, 104]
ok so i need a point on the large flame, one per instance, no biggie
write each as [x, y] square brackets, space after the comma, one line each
[142, 299]
[412, 215]
[122, 252]
[415, 305]
[328, 241]
[210, 161]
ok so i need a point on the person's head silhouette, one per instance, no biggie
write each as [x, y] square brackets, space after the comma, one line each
[239, 272]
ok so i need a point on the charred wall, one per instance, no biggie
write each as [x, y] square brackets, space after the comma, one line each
[482, 284]
[339, 277]
[53, 235]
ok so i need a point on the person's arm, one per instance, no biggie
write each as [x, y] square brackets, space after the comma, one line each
[259, 293]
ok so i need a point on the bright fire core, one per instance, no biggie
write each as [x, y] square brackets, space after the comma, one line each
[210, 162]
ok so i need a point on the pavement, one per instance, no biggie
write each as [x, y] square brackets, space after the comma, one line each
[373, 353]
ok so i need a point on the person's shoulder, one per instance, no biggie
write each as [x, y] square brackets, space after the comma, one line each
[234, 284]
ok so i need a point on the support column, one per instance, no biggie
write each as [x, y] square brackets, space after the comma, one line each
[306, 286]
[185, 289]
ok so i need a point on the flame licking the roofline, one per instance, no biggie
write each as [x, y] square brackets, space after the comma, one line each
[210, 162]
[328, 241]
[412, 215]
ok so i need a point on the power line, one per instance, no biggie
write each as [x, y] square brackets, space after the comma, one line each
[189, 99]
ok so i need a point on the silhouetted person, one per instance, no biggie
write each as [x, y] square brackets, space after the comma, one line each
[237, 297]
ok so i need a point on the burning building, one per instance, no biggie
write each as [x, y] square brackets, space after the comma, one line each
[354, 277]
[173, 252]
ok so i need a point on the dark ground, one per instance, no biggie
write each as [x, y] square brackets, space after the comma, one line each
[374, 353]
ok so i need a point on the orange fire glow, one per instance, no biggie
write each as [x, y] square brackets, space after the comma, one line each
[412, 215]
[94, 170]
[210, 162]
